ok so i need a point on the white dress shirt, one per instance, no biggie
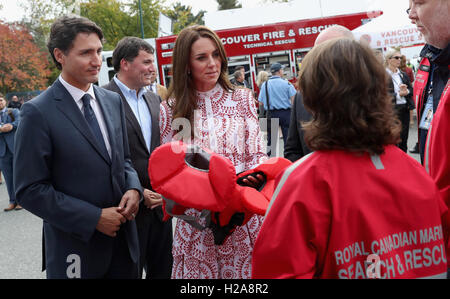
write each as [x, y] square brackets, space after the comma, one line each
[77, 94]
[140, 109]
[397, 80]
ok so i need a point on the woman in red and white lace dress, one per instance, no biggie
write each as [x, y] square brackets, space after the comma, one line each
[225, 121]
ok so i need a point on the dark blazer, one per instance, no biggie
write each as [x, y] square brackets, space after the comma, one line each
[155, 236]
[139, 152]
[295, 147]
[63, 177]
[7, 139]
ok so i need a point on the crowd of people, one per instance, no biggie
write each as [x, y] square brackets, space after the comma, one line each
[352, 205]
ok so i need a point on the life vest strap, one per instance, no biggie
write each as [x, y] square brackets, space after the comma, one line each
[170, 206]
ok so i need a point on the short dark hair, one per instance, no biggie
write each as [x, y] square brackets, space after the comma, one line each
[128, 48]
[344, 86]
[65, 30]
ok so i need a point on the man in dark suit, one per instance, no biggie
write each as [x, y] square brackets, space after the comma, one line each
[133, 60]
[9, 119]
[73, 167]
[295, 146]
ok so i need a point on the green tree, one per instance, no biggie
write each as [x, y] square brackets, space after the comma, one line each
[117, 18]
[40, 16]
[183, 17]
[150, 11]
[228, 4]
[113, 17]
[42, 13]
[121, 18]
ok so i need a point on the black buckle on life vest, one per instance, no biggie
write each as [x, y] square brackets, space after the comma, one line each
[222, 232]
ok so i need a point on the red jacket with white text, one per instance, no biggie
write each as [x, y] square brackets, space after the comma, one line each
[337, 214]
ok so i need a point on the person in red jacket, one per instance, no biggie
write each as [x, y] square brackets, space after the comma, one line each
[432, 90]
[357, 207]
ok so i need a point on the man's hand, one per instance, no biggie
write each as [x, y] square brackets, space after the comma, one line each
[403, 90]
[6, 128]
[129, 205]
[152, 199]
[110, 221]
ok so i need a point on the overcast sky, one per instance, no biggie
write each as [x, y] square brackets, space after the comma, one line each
[12, 12]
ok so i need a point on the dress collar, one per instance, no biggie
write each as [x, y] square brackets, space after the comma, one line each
[214, 93]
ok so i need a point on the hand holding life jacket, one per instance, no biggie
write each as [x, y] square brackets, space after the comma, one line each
[188, 176]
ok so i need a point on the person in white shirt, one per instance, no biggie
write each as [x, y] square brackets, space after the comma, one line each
[401, 90]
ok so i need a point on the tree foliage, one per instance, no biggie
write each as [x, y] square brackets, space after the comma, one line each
[183, 16]
[117, 18]
[40, 16]
[113, 17]
[23, 66]
[228, 4]
[150, 12]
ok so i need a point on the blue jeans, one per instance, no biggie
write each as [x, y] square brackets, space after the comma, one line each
[6, 165]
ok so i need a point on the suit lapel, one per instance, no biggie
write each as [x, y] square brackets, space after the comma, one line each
[66, 104]
[153, 107]
[108, 115]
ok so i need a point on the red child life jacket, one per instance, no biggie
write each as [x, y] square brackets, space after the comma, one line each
[188, 176]
[191, 176]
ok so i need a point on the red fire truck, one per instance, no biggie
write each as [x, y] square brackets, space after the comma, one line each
[257, 47]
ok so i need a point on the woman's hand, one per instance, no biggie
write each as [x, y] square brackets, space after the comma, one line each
[254, 181]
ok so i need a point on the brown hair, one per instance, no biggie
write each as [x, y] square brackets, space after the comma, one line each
[65, 30]
[403, 64]
[128, 48]
[345, 88]
[182, 86]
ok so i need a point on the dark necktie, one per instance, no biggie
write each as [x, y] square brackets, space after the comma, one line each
[89, 115]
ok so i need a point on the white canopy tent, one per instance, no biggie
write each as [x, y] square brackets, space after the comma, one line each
[389, 30]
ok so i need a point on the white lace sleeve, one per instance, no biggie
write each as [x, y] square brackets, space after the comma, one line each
[165, 123]
[255, 149]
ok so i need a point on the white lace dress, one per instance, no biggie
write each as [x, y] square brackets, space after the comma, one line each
[226, 123]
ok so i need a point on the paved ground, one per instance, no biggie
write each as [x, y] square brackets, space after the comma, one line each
[20, 242]
[21, 233]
